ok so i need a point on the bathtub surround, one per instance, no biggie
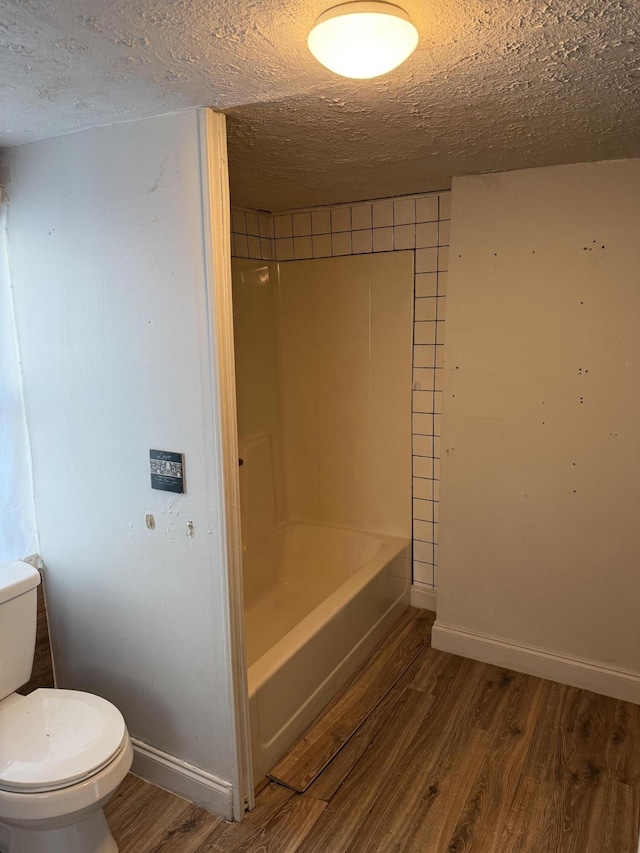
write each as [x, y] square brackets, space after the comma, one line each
[321, 349]
[541, 487]
[323, 374]
[417, 223]
[345, 373]
[116, 242]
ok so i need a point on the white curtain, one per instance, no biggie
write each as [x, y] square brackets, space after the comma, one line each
[18, 536]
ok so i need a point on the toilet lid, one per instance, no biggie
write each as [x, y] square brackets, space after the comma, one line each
[51, 739]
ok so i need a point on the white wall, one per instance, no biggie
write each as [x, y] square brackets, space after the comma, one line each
[107, 255]
[540, 532]
[18, 537]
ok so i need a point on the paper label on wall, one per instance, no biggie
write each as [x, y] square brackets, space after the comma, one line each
[167, 470]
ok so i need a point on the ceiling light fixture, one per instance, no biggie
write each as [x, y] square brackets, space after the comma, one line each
[363, 39]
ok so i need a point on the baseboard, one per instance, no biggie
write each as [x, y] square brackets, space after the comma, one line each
[171, 773]
[423, 597]
[577, 672]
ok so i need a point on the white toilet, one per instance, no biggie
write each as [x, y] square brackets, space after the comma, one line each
[63, 753]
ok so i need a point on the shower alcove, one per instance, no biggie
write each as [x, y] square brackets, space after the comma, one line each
[323, 379]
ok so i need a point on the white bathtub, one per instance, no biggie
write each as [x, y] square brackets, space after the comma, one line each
[335, 594]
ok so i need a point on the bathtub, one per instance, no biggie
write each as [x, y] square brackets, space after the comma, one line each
[333, 596]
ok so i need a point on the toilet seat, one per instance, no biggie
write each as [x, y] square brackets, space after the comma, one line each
[52, 739]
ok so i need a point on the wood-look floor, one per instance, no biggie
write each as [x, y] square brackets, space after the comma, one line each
[355, 702]
[457, 756]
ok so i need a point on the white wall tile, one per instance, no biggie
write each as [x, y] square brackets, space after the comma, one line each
[241, 245]
[302, 247]
[283, 226]
[422, 448]
[425, 308]
[426, 234]
[404, 237]
[423, 574]
[423, 445]
[321, 222]
[424, 379]
[382, 214]
[238, 221]
[445, 206]
[253, 224]
[427, 209]
[424, 332]
[404, 211]
[265, 248]
[255, 249]
[444, 232]
[301, 224]
[383, 239]
[423, 551]
[426, 260]
[422, 402]
[266, 225]
[341, 243]
[284, 249]
[443, 259]
[443, 280]
[426, 284]
[422, 424]
[423, 530]
[425, 356]
[423, 510]
[422, 467]
[362, 242]
[361, 217]
[341, 220]
[321, 246]
[423, 488]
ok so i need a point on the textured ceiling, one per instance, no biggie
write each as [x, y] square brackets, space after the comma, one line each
[493, 85]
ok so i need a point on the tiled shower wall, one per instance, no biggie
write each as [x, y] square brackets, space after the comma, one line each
[419, 223]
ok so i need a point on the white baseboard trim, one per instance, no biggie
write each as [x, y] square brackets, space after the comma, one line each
[175, 775]
[423, 597]
[577, 672]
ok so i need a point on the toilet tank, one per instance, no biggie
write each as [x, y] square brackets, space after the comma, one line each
[18, 617]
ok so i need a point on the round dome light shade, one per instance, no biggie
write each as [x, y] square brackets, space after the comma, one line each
[363, 39]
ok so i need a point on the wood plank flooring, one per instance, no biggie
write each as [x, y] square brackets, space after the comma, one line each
[457, 756]
[337, 723]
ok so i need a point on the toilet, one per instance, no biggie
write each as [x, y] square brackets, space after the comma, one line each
[63, 753]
